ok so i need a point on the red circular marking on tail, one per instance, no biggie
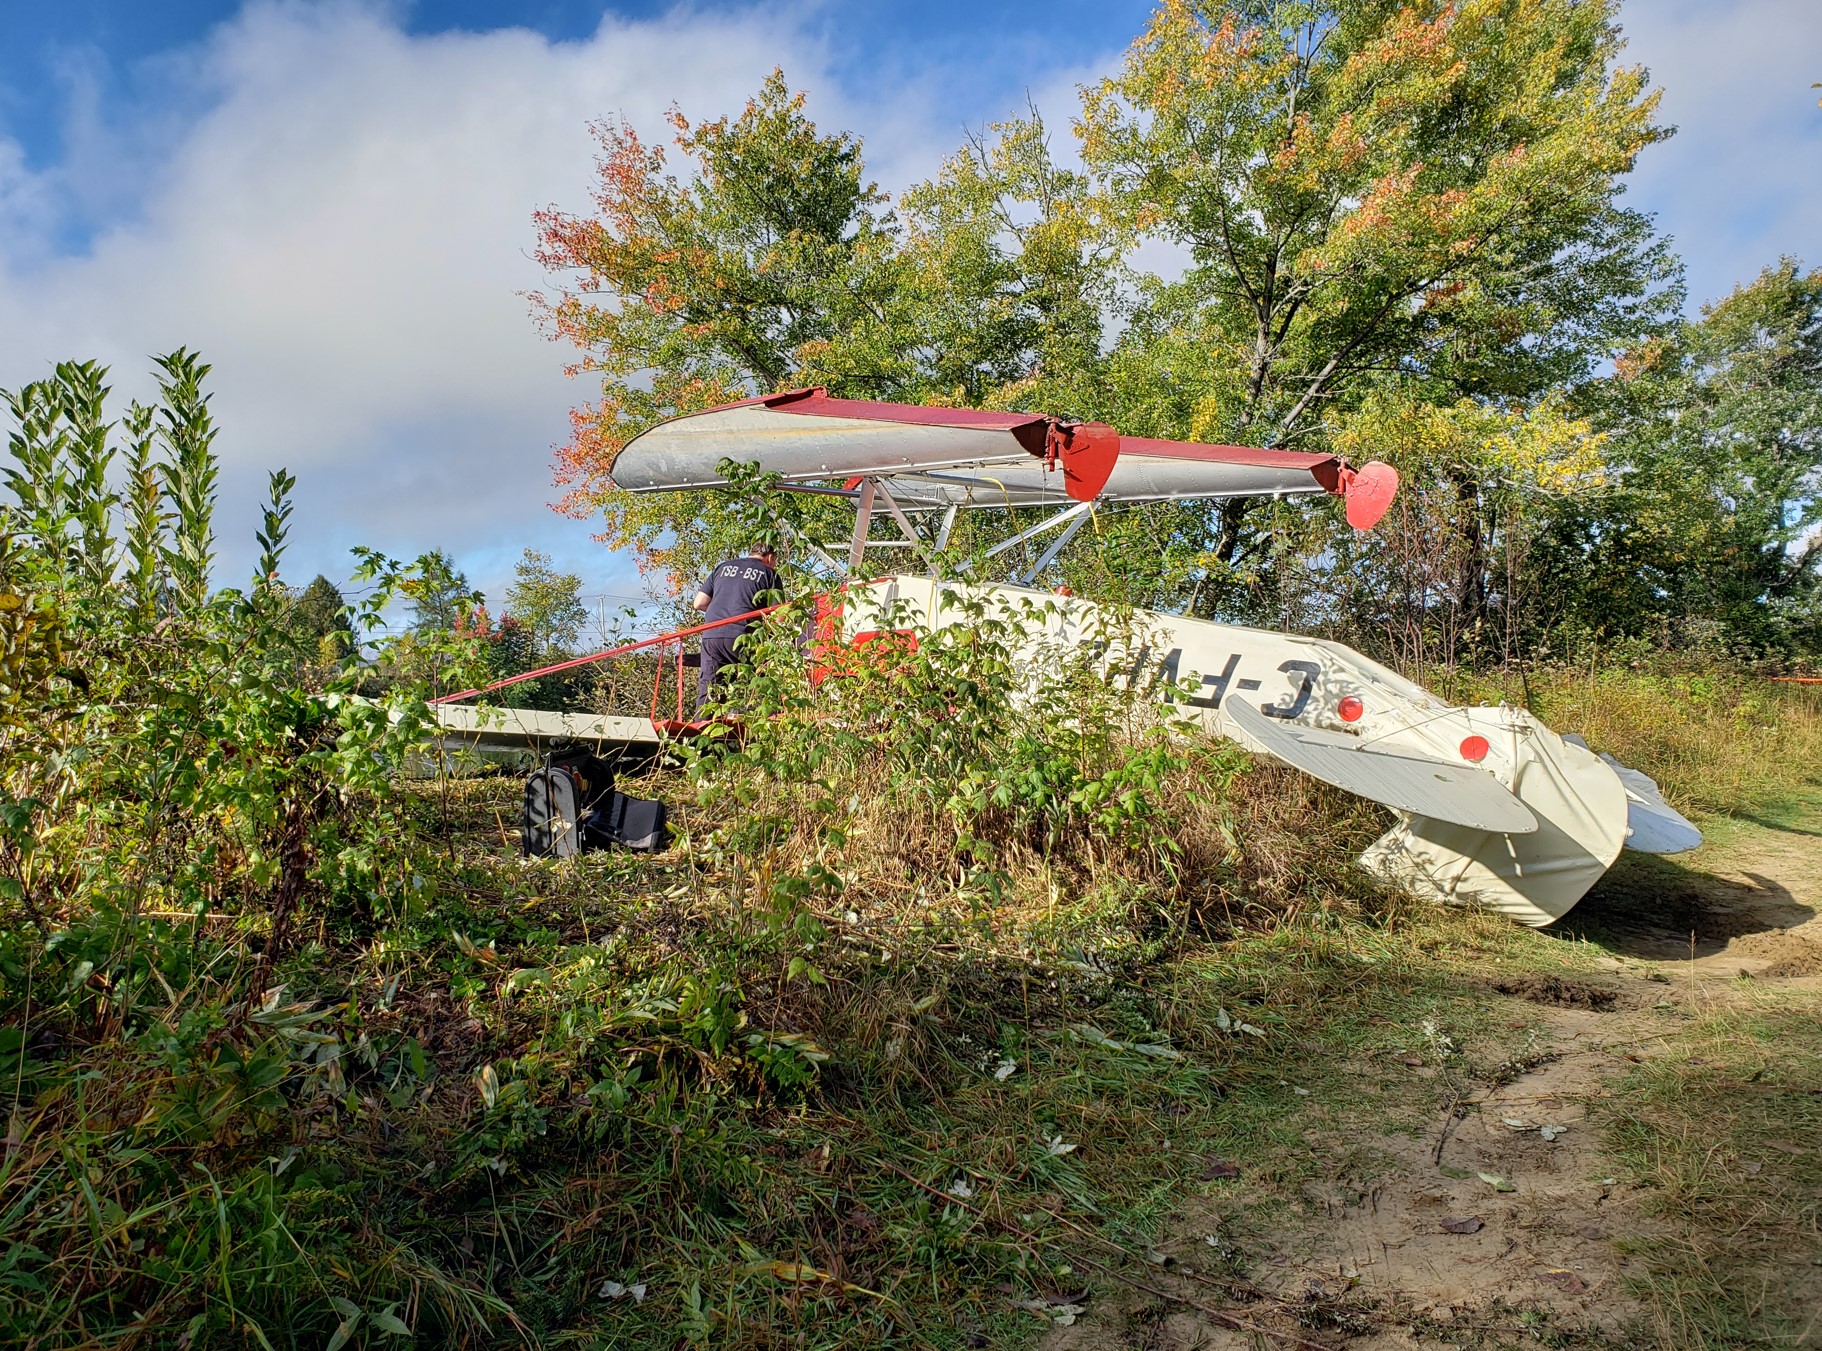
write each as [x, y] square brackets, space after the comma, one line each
[1474, 748]
[1350, 709]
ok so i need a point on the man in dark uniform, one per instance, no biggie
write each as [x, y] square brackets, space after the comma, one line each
[732, 588]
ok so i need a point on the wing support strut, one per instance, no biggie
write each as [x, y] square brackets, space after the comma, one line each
[1068, 513]
[904, 523]
[942, 537]
[798, 537]
[863, 514]
[1057, 546]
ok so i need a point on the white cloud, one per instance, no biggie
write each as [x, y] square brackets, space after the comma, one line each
[344, 234]
[1741, 181]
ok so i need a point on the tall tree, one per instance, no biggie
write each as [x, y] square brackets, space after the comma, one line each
[1370, 192]
[1714, 522]
[774, 263]
[440, 595]
[1752, 437]
[319, 616]
[685, 293]
[547, 603]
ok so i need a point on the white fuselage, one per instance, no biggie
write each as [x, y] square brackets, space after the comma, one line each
[1388, 738]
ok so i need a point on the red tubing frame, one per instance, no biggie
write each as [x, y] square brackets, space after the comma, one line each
[676, 636]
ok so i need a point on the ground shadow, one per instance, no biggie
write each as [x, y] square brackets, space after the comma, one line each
[1651, 906]
[1781, 827]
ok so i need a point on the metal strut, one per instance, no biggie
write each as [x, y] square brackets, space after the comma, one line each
[942, 536]
[1056, 547]
[904, 523]
[863, 515]
[1080, 509]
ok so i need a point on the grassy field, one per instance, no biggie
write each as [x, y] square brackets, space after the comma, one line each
[826, 1075]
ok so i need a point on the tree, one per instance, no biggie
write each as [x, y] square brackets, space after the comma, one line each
[547, 603]
[1715, 518]
[1752, 438]
[1450, 573]
[774, 264]
[440, 595]
[319, 617]
[1371, 194]
[685, 294]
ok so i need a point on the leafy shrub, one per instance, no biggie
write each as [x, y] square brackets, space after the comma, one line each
[171, 801]
[961, 742]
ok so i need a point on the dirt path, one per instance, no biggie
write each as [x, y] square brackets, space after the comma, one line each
[1750, 901]
[1501, 1219]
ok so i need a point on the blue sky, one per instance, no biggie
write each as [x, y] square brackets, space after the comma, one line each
[332, 199]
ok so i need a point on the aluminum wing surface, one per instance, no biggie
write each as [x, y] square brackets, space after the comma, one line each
[931, 458]
[1434, 788]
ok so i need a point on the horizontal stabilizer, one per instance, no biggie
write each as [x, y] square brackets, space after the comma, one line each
[1458, 794]
[1653, 826]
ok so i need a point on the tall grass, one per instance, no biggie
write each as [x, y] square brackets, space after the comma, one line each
[1719, 741]
[1723, 1130]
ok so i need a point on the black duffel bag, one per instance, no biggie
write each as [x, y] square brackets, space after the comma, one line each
[560, 796]
[636, 823]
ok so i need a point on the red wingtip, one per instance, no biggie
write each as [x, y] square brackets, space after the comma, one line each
[1369, 493]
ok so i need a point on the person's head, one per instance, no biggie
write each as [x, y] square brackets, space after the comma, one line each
[768, 552]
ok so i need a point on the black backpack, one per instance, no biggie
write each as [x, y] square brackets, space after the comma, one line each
[571, 784]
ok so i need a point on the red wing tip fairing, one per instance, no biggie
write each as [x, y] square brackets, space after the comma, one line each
[935, 458]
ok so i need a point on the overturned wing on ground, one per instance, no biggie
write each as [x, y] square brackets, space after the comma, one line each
[930, 458]
[1458, 794]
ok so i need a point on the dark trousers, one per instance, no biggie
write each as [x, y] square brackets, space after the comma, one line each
[717, 657]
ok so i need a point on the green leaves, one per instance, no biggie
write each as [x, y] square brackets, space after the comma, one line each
[774, 263]
[271, 535]
[1361, 184]
[188, 475]
[773, 245]
[548, 603]
[1415, 201]
[1709, 530]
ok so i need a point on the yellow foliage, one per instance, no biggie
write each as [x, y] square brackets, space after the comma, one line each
[1539, 447]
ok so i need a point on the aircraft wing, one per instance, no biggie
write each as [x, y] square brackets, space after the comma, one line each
[931, 458]
[1458, 794]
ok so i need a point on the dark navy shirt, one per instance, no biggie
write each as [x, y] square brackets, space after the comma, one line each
[733, 589]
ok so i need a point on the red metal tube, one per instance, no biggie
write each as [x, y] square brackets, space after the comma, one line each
[677, 636]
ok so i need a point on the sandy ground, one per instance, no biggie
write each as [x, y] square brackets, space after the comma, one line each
[1439, 1255]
